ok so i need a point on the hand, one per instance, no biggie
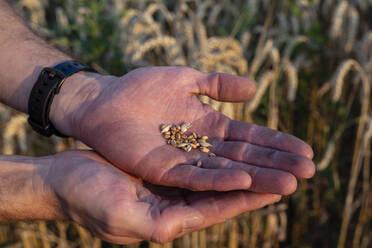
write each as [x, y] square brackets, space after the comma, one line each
[120, 118]
[121, 209]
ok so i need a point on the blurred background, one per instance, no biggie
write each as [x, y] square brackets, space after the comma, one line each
[312, 61]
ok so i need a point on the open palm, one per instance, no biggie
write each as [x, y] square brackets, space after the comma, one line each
[122, 123]
[121, 209]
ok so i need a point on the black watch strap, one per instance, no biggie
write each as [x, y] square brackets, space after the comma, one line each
[46, 87]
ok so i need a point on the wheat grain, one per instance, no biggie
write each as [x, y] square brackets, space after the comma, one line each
[176, 136]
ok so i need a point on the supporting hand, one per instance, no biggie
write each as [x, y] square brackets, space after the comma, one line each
[121, 209]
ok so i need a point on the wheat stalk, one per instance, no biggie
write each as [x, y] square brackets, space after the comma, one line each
[263, 83]
[15, 128]
[258, 60]
[364, 50]
[162, 41]
[292, 43]
[338, 19]
[4, 113]
[364, 137]
[291, 72]
[339, 77]
[201, 35]
[152, 8]
[352, 28]
[36, 10]
[212, 19]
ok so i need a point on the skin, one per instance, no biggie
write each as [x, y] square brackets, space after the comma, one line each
[83, 187]
[125, 115]
[120, 117]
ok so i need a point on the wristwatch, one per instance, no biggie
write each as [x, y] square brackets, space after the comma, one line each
[46, 87]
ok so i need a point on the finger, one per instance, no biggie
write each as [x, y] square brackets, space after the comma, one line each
[225, 87]
[117, 239]
[172, 221]
[218, 207]
[264, 180]
[201, 179]
[300, 166]
[258, 135]
[208, 208]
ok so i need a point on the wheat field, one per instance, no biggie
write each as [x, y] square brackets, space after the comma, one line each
[312, 61]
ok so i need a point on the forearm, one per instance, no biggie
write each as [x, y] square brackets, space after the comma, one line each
[23, 55]
[23, 193]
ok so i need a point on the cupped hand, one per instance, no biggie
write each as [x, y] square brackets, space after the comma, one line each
[122, 209]
[121, 120]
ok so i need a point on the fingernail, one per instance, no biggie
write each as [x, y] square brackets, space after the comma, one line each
[192, 222]
[279, 198]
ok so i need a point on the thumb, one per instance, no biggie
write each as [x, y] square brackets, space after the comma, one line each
[225, 87]
[174, 222]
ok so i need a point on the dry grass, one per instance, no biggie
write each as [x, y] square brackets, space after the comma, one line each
[313, 64]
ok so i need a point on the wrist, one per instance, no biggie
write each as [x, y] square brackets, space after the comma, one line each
[69, 105]
[24, 195]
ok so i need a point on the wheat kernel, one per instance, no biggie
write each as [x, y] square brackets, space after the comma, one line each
[185, 126]
[199, 164]
[205, 144]
[166, 128]
[204, 149]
